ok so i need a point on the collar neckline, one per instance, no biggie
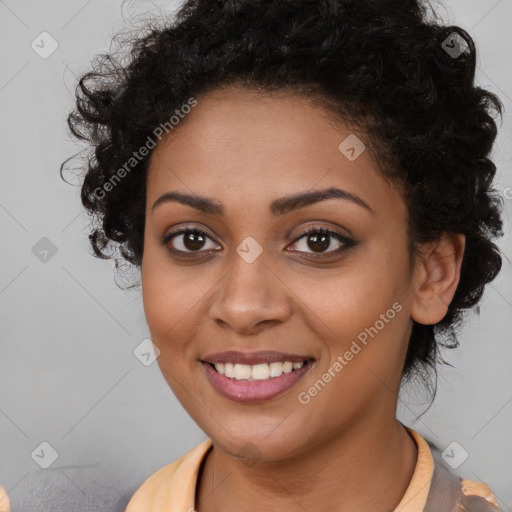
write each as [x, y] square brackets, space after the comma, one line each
[174, 486]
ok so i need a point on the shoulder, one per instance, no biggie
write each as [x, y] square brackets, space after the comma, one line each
[70, 488]
[478, 496]
[153, 488]
[171, 487]
[455, 494]
[5, 504]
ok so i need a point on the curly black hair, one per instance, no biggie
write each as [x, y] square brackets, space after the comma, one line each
[389, 67]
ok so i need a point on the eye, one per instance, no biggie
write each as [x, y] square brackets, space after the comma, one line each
[321, 239]
[188, 240]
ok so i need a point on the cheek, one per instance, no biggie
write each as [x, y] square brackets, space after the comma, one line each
[173, 300]
[164, 303]
[360, 313]
[356, 296]
[168, 293]
[167, 308]
[377, 323]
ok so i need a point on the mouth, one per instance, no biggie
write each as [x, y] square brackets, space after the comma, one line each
[256, 377]
[257, 372]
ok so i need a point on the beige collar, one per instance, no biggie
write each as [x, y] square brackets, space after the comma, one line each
[172, 488]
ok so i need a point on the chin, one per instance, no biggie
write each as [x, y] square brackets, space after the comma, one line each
[254, 446]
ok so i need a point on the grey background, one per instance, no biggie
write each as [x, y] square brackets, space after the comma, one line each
[68, 375]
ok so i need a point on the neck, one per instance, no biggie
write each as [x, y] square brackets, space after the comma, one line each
[368, 466]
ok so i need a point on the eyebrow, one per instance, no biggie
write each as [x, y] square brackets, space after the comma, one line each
[279, 206]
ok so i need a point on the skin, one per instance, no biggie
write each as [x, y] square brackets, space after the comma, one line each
[344, 450]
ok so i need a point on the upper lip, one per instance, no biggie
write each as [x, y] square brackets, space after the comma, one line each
[264, 356]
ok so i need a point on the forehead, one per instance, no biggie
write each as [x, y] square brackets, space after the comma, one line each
[243, 146]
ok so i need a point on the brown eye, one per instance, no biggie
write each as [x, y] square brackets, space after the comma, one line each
[315, 242]
[188, 240]
[320, 239]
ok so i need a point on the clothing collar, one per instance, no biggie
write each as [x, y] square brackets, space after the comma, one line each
[173, 488]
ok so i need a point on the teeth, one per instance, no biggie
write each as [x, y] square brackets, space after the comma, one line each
[276, 369]
[242, 371]
[287, 367]
[261, 371]
[229, 370]
[258, 371]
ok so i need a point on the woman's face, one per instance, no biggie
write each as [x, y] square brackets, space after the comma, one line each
[255, 283]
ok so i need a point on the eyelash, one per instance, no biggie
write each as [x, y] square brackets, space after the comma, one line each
[347, 243]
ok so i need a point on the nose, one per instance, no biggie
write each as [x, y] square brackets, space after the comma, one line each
[250, 297]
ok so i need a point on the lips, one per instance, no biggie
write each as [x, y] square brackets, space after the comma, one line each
[261, 385]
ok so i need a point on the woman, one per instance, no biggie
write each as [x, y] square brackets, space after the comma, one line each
[306, 189]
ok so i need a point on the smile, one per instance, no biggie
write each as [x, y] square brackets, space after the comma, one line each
[250, 383]
[263, 371]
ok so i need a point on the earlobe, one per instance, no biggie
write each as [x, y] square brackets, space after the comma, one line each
[436, 278]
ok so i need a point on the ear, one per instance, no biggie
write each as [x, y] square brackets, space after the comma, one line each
[436, 276]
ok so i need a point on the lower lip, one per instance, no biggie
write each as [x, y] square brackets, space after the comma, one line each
[249, 391]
